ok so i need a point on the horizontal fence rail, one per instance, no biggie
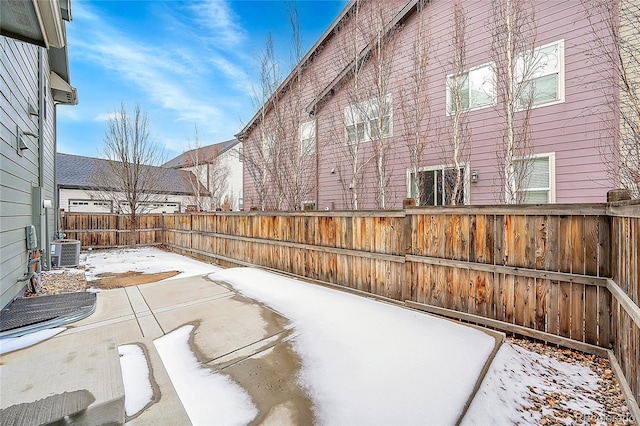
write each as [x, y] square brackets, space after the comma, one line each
[561, 273]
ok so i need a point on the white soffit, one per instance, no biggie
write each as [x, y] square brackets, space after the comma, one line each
[50, 18]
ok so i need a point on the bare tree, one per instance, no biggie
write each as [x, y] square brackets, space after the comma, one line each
[364, 56]
[260, 152]
[383, 44]
[297, 166]
[198, 167]
[414, 101]
[209, 177]
[515, 62]
[130, 178]
[616, 37]
[459, 103]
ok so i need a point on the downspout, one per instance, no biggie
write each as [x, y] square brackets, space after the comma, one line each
[41, 111]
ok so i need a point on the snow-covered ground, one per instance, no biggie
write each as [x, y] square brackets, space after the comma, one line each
[135, 377]
[208, 398]
[516, 373]
[368, 362]
[10, 344]
[362, 361]
[147, 260]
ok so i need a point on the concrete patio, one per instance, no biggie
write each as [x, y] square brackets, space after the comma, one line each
[229, 330]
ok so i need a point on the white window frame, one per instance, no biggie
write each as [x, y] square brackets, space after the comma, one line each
[442, 167]
[268, 143]
[307, 144]
[560, 98]
[360, 116]
[449, 84]
[552, 174]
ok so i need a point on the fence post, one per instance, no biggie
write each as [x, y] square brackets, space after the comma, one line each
[406, 239]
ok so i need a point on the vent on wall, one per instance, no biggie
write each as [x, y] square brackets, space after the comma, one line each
[65, 253]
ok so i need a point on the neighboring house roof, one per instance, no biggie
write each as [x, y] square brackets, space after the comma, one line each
[75, 171]
[405, 13]
[207, 154]
[318, 46]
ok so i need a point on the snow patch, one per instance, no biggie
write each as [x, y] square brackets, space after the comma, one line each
[147, 260]
[517, 373]
[368, 362]
[11, 344]
[135, 375]
[210, 398]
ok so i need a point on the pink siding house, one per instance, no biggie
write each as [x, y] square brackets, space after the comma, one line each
[403, 99]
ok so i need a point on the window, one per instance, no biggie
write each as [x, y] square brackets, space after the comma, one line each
[435, 185]
[543, 72]
[369, 120]
[538, 177]
[308, 138]
[472, 90]
[240, 154]
[268, 145]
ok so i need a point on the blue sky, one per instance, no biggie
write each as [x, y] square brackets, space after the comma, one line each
[186, 63]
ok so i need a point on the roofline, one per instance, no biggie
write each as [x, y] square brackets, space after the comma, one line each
[402, 16]
[307, 58]
[179, 166]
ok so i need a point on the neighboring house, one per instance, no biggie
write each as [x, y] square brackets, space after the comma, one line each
[219, 170]
[354, 105]
[78, 192]
[34, 80]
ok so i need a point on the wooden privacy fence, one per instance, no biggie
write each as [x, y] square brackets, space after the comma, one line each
[111, 230]
[566, 274]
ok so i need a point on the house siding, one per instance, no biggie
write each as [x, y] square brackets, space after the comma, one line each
[19, 174]
[572, 130]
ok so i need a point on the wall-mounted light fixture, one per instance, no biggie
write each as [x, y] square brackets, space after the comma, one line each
[474, 176]
[20, 145]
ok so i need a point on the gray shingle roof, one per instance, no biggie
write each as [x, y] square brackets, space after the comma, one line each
[75, 171]
[206, 154]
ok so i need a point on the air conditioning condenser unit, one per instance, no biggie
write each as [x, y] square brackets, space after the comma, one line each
[65, 253]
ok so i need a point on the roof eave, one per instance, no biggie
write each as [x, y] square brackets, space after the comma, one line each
[321, 41]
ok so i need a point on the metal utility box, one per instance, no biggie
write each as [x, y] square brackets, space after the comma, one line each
[65, 253]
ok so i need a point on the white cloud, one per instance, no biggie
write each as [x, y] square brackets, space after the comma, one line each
[67, 113]
[217, 16]
[105, 116]
[234, 73]
[165, 81]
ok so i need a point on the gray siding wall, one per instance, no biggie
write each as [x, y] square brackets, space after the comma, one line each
[19, 174]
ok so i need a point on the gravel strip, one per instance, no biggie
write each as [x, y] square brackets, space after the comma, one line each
[64, 280]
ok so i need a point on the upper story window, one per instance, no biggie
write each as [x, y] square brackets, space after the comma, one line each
[543, 72]
[538, 179]
[268, 146]
[369, 120]
[473, 89]
[308, 138]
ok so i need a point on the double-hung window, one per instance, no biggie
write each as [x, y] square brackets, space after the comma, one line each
[543, 73]
[268, 146]
[434, 186]
[307, 138]
[537, 177]
[369, 120]
[471, 90]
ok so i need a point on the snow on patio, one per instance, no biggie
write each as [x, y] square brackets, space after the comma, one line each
[368, 362]
[354, 350]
